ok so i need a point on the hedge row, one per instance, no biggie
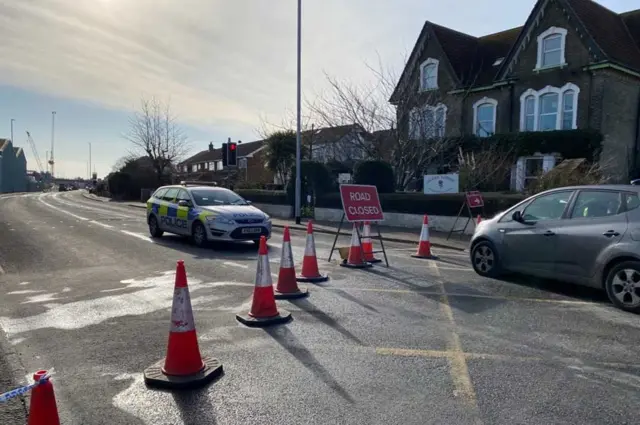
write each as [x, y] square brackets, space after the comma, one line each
[401, 202]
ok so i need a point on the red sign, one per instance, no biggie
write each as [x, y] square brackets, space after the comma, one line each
[361, 203]
[474, 200]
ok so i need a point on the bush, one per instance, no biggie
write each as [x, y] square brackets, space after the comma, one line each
[375, 173]
[275, 197]
[316, 180]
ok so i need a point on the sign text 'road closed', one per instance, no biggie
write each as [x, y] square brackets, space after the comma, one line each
[361, 203]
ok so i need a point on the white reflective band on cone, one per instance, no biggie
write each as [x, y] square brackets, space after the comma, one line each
[286, 260]
[354, 238]
[310, 248]
[263, 273]
[181, 312]
[424, 235]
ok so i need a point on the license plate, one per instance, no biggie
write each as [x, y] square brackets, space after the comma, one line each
[251, 230]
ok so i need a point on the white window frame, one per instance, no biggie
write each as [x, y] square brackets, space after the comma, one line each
[484, 101]
[563, 42]
[536, 106]
[416, 134]
[423, 65]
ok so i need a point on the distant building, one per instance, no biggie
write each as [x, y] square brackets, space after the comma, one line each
[13, 168]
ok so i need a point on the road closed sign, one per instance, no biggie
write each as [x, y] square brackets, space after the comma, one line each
[361, 203]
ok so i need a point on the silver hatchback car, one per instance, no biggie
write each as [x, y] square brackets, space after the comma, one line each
[587, 235]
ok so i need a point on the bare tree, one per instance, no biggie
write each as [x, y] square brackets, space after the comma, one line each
[154, 133]
[488, 169]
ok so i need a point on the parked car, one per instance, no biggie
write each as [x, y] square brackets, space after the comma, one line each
[587, 235]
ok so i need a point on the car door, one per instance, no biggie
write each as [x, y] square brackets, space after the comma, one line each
[182, 213]
[530, 246]
[167, 209]
[597, 220]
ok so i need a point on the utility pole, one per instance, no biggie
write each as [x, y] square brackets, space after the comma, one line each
[299, 108]
[53, 129]
[12, 141]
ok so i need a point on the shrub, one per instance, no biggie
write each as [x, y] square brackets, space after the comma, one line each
[315, 178]
[275, 197]
[376, 173]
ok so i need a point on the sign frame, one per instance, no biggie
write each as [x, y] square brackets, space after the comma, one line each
[351, 204]
[472, 199]
[474, 195]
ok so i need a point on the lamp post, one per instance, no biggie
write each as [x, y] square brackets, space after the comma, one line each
[89, 161]
[12, 141]
[299, 107]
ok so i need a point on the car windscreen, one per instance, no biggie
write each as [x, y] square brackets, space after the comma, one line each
[212, 197]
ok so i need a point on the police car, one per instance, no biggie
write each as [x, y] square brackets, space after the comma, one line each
[205, 213]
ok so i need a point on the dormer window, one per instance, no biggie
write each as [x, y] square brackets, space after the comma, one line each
[429, 75]
[551, 48]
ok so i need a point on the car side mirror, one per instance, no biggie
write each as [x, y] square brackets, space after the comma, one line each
[184, 203]
[248, 202]
[517, 216]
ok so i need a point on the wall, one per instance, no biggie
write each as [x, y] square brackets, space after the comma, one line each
[409, 221]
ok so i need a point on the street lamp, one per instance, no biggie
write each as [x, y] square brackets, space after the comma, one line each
[12, 141]
[299, 108]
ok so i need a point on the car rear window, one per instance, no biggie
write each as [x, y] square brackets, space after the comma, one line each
[597, 203]
[632, 201]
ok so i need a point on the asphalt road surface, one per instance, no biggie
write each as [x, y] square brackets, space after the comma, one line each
[85, 291]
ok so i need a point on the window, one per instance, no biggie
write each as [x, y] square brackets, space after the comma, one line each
[484, 117]
[428, 122]
[533, 168]
[551, 108]
[210, 197]
[159, 193]
[429, 75]
[183, 196]
[548, 112]
[597, 203]
[212, 166]
[547, 207]
[551, 48]
[632, 201]
[170, 195]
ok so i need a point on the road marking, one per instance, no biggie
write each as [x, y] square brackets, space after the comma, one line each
[409, 352]
[61, 210]
[106, 226]
[2, 272]
[232, 264]
[137, 235]
[458, 364]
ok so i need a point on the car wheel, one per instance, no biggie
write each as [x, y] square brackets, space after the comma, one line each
[154, 229]
[484, 259]
[623, 286]
[198, 234]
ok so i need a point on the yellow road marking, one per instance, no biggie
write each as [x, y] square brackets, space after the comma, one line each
[440, 354]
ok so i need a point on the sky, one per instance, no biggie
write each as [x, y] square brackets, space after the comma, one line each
[227, 67]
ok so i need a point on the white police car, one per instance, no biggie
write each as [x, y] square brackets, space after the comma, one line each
[205, 213]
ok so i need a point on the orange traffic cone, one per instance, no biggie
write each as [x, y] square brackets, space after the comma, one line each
[183, 367]
[424, 246]
[287, 286]
[43, 409]
[264, 311]
[310, 272]
[367, 244]
[356, 256]
[479, 220]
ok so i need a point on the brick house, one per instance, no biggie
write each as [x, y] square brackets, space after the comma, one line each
[573, 64]
[344, 143]
[207, 165]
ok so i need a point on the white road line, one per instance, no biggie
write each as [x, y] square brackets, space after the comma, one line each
[1, 270]
[106, 226]
[62, 211]
[137, 235]
[232, 264]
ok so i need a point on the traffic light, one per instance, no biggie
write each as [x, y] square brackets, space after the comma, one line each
[232, 154]
[225, 155]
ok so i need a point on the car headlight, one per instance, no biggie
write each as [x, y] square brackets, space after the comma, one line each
[224, 220]
[267, 218]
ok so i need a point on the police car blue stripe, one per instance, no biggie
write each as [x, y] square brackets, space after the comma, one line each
[172, 212]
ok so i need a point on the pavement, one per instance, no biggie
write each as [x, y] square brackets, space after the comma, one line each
[389, 233]
[86, 291]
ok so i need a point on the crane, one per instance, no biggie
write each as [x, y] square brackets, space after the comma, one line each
[35, 154]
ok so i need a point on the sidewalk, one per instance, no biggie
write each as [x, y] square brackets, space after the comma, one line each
[391, 234]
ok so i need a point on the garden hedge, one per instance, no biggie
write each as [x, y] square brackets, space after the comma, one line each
[400, 202]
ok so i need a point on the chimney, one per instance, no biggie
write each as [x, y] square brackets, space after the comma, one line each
[210, 146]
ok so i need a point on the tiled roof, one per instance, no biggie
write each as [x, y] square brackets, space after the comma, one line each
[244, 149]
[3, 142]
[329, 134]
[473, 58]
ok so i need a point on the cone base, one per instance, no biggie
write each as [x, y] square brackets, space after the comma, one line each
[258, 322]
[313, 279]
[300, 293]
[356, 266]
[425, 257]
[374, 261]
[154, 377]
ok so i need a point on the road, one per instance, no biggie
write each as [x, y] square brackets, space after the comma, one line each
[85, 291]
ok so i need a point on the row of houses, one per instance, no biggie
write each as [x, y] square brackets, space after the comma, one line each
[13, 168]
[573, 64]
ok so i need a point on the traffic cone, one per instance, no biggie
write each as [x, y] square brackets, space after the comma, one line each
[479, 220]
[43, 409]
[287, 286]
[356, 256]
[183, 367]
[310, 272]
[367, 244]
[264, 311]
[424, 246]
